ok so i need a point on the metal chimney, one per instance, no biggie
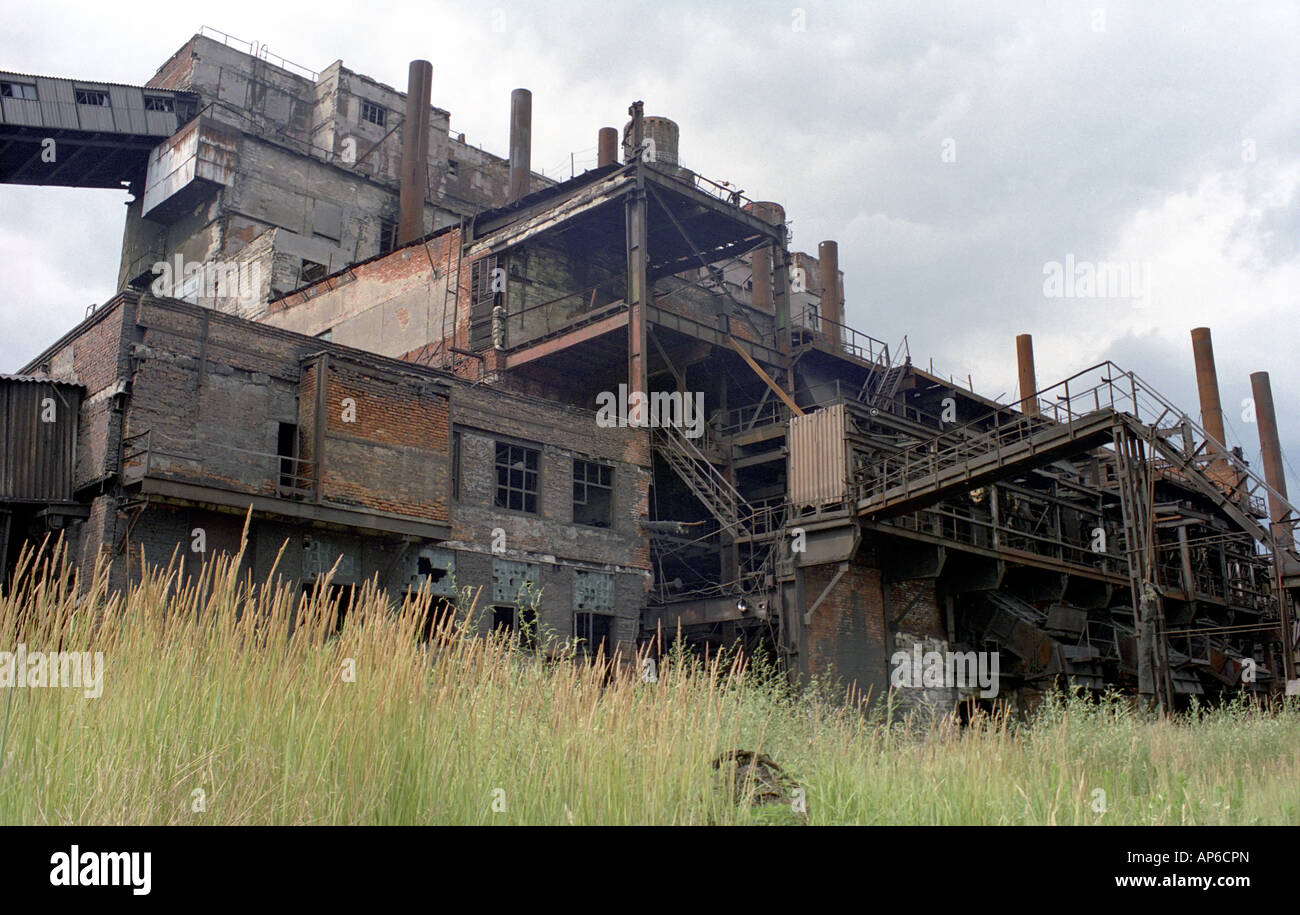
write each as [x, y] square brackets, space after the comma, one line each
[1207, 384]
[521, 142]
[1270, 444]
[607, 147]
[832, 300]
[760, 259]
[414, 186]
[1028, 383]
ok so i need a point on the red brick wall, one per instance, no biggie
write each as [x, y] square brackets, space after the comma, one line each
[846, 638]
[393, 454]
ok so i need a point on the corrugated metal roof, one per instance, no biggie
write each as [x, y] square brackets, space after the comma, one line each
[5, 74]
[39, 379]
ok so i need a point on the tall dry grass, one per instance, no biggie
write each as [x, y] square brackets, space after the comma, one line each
[227, 701]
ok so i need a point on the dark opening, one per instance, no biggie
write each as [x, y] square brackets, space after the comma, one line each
[593, 493]
[286, 446]
[593, 632]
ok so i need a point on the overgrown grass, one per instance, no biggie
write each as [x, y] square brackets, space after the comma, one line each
[209, 688]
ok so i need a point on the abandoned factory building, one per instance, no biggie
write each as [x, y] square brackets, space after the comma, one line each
[618, 402]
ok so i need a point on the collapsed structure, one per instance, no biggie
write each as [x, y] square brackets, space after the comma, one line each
[618, 404]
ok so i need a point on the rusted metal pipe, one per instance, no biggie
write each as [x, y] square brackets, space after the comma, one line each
[521, 142]
[832, 300]
[413, 188]
[607, 147]
[760, 259]
[1207, 384]
[1270, 444]
[1028, 382]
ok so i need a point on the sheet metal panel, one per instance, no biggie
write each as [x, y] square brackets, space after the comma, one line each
[38, 436]
[818, 457]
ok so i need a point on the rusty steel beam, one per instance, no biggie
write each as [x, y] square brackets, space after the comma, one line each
[1028, 383]
[564, 341]
[414, 187]
[521, 143]
[1207, 384]
[767, 379]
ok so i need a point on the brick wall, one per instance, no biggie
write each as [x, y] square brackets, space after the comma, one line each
[846, 638]
[386, 442]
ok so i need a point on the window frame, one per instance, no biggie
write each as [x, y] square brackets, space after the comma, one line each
[535, 472]
[369, 107]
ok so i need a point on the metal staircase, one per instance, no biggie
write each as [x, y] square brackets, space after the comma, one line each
[707, 483]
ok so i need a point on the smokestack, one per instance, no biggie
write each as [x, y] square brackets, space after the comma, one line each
[607, 147]
[760, 259]
[521, 142]
[1271, 445]
[414, 187]
[1207, 384]
[832, 301]
[1028, 384]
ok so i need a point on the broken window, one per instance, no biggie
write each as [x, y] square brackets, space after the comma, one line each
[487, 290]
[311, 272]
[593, 632]
[593, 493]
[518, 621]
[375, 114]
[18, 90]
[97, 97]
[516, 477]
[452, 167]
[159, 103]
[439, 567]
[387, 234]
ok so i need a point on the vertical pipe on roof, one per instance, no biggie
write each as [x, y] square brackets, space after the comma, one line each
[607, 147]
[1207, 383]
[1270, 443]
[414, 187]
[832, 300]
[1028, 382]
[521, 142]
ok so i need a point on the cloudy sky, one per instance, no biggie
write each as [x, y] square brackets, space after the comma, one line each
[955, 150]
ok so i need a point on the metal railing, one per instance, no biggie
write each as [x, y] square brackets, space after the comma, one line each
[260, 51]
[150, 454]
